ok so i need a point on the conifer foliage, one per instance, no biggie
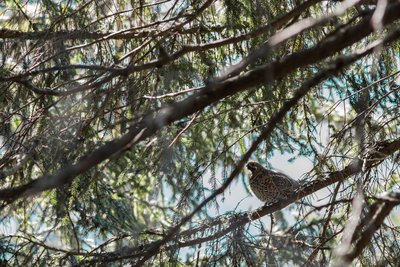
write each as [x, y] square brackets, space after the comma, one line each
[124, 124]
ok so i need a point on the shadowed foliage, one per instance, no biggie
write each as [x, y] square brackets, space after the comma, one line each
[124, 122]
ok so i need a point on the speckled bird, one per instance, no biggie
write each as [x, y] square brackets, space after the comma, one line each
[269, 186]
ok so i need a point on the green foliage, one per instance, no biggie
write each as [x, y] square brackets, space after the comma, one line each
[66, 90]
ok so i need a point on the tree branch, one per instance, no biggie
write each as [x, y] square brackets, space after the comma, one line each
[380, 152]
[211, 94]
[279, 22]
[366, 228]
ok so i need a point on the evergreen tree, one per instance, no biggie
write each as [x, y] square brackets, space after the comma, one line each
[122, 122]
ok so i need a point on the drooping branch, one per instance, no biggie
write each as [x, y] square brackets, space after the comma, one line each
[368, 225]
[155, 247]
[172, 29]
[229, 223]
[85, 35]
[115, 71]
[381, 152]
[206, 96]
[139, 32]
[126, 34]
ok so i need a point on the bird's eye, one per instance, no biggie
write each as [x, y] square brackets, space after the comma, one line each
[251, 167]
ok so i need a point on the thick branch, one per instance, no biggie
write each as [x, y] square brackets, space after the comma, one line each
[385, 149]
[207, 96]
[229, 224]
[157, 245]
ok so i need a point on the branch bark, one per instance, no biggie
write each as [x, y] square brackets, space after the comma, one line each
[380, 152]
[208, 95]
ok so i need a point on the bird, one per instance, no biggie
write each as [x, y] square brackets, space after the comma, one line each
[270, 186]
[162, 55]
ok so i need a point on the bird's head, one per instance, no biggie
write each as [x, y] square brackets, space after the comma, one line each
[253, 166]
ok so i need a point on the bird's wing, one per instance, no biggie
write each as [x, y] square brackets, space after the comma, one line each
[282, 181]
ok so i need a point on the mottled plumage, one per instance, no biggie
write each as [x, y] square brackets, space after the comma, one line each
[269, 186]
